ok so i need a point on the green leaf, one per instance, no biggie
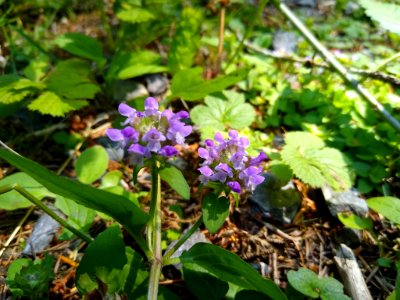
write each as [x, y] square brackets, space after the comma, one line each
[139, 70]
[197, 278]
[37, 69]
[387, 206]
[14, 200]
[122, 210]
[79, 216]
[308, 283]
[91, 164]
[176, 180]
[227, 111]
[81, 45]
[137, 275]
[111, 179]
[355, 222]
[230, 267]
[186, 40]
[15, 89]
[31, 278]
[215, 210]
[313, 163]
[189, 84]
[95, 265]
[386, 14]
[50, 103]
[135, 15]
[282, 171]
[71, 79]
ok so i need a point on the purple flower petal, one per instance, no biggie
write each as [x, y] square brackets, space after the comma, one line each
[138, 149]
[150, 104]
[126, 110]
[114, 134]
[235, 186]
[209, 143]
[203, 153]
[233, 134]
[225, 168]
[206, 171]
[218, 137]
[258, 159]
[168, 151]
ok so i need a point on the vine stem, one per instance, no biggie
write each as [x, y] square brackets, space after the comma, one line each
[324, 52]
[154, 232]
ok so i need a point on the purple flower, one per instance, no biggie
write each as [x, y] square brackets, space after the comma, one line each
[227, 162]
[168, 151]
[151, 132]
[154, 139]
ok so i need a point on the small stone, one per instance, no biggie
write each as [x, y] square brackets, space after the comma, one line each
[274, 201]
[156, 84]
[344, 201]
[285, 42]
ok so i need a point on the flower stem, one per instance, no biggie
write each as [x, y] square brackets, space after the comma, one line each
[166, 259]
[154, 233]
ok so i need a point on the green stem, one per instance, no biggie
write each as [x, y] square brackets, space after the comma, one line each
[183, 238]
[340, 69]
[38, 203]
[386, 61]
[154, 233]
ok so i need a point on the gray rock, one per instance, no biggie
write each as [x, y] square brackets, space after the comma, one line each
[302, 3]
[196, 237]
[42, 234]
[284, 41]
[344, 201]
[275, 202]
[156, 84]
[351, 7]
[125, 90]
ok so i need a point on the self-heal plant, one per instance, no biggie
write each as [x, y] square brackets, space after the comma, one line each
[226, 161]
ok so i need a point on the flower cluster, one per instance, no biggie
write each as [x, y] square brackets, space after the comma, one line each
[151, 131]
[226, 161]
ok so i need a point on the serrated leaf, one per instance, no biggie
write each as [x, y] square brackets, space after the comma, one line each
[215, 210]
[50, 103]
[37, 69]
[229, 110]
[14, 200]
[355, 222]
[71, 79]
[176, 180]
[308, 283]
[81, 45]
[135, 15]
[91, 164]
[79, 216]
[224, 264]
[314, 164]
[386, 14]
[186, 40]
[387, 206]
[189, 84]
[15, 89]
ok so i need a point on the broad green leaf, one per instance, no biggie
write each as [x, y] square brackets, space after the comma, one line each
[111, 179]
[37, 69]
[50, 103]
[71, 79]
[387, 206]
[308, 283]
[313, 163]
[386, 14]
[282, 171]
[230, 267]
[79, 216]
[189, 84]
[186, 40]
[137, 275]
[215, 210]
[226, 111]
[14, 89]
[91, 164]
[97, 264]
[122, 210]
[176, 180]
[120, 191]
[81, 45]
[355, 222]
[135, 15]
[139, 70]
[197, 278]
[14, 200]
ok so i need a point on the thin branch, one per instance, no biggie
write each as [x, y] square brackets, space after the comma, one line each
[324, 52]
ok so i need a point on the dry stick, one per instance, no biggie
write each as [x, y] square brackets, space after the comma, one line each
[375, 74]
[337, 65]
[221, 38]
